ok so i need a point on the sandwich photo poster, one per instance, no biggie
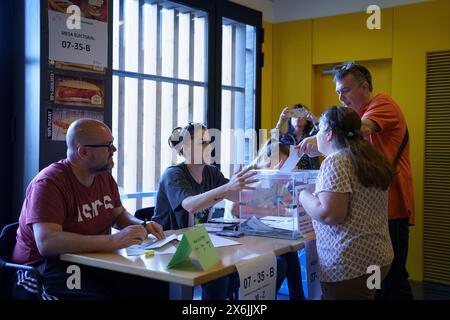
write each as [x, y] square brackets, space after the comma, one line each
[59, 120]
[76, 91]
[78, 34]
[62, 65]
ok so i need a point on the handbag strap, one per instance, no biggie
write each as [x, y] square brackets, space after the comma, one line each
[402, 147]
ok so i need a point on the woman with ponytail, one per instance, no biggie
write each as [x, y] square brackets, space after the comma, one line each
[349, 209]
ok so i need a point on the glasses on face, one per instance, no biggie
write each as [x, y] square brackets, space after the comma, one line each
[109, 146]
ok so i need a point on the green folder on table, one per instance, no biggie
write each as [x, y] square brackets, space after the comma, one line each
[198, 241]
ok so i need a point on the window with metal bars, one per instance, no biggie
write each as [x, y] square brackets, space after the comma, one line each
[166, 74]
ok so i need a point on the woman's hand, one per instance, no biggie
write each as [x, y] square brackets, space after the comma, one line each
[284, 116]
[241, 181]
[310, 117]
[308, 146]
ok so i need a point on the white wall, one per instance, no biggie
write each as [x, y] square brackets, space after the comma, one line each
[291, 10]
[265, 6]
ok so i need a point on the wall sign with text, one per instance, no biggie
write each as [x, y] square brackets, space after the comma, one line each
[78, 31]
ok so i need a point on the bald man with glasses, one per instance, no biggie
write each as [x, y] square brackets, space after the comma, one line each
[70, 207]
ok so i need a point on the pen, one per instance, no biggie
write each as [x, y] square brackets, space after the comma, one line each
[144, 223]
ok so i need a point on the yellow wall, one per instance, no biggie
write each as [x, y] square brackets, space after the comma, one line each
[292, 68]
[346, 37]
[417, 29]
[396, 53]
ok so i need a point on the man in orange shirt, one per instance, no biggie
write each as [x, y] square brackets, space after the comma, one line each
[384, 126]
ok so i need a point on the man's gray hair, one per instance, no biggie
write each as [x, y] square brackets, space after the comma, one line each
[359, 72]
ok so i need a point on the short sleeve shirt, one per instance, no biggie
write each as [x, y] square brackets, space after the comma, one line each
[56, 196]
[346, 250]
[382, 110]
[177, 184]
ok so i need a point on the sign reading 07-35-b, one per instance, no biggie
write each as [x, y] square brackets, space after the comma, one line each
[79, 34]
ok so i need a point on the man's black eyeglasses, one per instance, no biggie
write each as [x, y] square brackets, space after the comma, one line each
[109, 145]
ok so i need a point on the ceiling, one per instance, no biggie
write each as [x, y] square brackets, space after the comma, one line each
[291, 10]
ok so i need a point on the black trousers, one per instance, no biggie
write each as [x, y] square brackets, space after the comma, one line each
[97, 283]
[293, 276]
[396, 286]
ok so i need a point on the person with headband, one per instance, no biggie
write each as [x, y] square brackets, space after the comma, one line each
[187, 191]
[349, 208]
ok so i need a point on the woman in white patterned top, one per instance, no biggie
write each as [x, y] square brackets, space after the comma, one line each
[349, 209]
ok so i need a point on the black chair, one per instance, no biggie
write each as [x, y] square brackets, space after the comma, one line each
[145, 213]
[8, 269]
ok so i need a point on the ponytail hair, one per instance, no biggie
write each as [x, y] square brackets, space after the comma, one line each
[371, 168]
[180, 134]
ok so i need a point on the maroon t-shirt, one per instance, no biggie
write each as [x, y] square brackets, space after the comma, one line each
[56, 196]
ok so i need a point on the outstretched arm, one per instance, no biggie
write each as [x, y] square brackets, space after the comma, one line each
[239, 181]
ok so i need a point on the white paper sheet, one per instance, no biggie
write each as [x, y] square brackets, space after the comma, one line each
[255, 224]
[257, 277]
[139, 249]
[285, 223]
[159, 243]
[218, 241]
[291, 162]
[214, 227]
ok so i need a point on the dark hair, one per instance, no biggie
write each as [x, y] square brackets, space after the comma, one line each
[181, 133]
[371, 168]
[359, 72]
[266, 151]
[308, 127]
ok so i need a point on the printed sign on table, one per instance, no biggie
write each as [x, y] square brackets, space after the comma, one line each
[258, 276]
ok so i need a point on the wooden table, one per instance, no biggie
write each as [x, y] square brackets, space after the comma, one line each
[188, 274]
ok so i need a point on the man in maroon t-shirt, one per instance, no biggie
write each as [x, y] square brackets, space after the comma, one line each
[70, 207]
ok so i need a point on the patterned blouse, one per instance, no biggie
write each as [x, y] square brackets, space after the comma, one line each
[346, 250]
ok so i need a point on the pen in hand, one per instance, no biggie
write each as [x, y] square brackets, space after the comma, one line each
[156, 230]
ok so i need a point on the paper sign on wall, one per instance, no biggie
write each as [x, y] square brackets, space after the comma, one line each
[86, 43]
[197, 241]
[258, 276]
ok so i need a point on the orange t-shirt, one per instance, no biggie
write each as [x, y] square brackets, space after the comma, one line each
[382, 110]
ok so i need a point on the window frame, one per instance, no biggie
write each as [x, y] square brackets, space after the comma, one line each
[216, 10]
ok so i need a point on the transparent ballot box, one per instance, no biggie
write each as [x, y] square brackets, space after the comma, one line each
[273, 208]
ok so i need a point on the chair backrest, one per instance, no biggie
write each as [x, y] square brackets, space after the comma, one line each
[8, 240]
[145, 213]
